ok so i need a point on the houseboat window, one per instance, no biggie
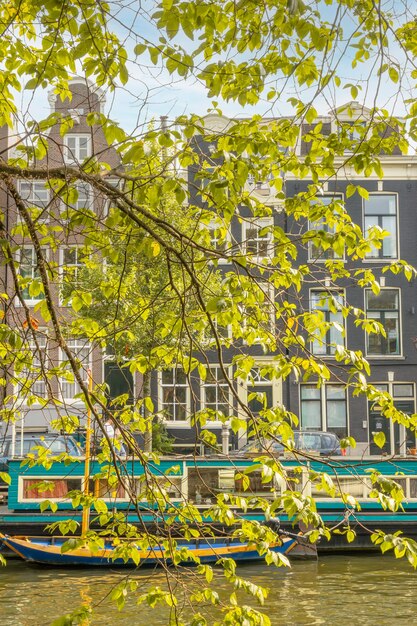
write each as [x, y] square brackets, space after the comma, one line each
[226, 479]
[101, 488]
[159, 486]
[256, 486]
[203, 484]
[353, 486]
[402, 482]
[413, 488]
[52, 488]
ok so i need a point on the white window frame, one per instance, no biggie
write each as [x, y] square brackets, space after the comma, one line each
[388, 386]
[42, 496]
[114, 182]
[72, 155]
[258, 223]
[323, 407]
[244, 388]
[388, 355]
[318, 225]
[381, 259]
[37, 377]
[203, 391]
[80, 205]
[260, 187]
[329, 352]
[76, 345]
[31, 197]
[31, 301]
[268, 303]
[63, 265]
[227, 242]
[174, 384]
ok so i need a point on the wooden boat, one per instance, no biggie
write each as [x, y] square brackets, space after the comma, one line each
[59, 551]
[49, 551]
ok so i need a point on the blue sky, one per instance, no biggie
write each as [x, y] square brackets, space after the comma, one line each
[152, 92]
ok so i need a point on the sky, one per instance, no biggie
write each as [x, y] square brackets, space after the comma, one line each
[152, 92]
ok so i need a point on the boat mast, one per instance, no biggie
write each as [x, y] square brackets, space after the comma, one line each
[85, 522]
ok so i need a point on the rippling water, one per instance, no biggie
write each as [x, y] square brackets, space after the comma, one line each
[352, 591]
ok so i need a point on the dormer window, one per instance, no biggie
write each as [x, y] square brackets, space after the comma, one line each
[351, 121]
[77, 148]
[76, 114]
[355, 130]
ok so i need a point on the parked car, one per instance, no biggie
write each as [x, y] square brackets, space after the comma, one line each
[326, 444]
[55, 443]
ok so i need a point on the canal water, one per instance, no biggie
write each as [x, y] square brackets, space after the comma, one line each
[335, 590]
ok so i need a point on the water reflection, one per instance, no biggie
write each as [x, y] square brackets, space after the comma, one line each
[359, 590]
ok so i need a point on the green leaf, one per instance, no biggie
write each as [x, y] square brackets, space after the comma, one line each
[5, 478]
[364, 193]
[379, 438]
[393, 74]
[140, 49]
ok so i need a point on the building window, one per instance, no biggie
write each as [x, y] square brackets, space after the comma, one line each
[77, 148]
[35, 194]
[32, 288]
[81, 351]
[384, 308]
[398, 438]
[329, 304]
[259, 383]
[78, 198]
[72, 262]
[32, 377]
[219, 236]
[174, 396]
[117, 183]
[381, 210]
[324, 408]
[354, 132]
[258, 238]
[258, 316]
[317, 251]
[215, 392]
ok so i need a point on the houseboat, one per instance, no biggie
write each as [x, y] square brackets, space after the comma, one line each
[166, 488]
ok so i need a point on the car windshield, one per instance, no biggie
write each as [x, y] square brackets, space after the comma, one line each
[307, 441]
[261, 445]
[55, 445]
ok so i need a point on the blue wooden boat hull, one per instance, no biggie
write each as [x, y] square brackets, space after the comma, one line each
[48, 552]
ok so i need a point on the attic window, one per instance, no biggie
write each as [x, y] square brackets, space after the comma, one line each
[77, 148]
[76, 114]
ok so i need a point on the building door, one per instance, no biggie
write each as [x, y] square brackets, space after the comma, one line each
[398, 439]
[259, 384]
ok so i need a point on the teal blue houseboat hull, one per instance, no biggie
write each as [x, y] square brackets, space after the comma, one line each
[200, 480]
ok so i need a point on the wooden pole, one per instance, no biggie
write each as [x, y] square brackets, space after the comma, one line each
[85, 522]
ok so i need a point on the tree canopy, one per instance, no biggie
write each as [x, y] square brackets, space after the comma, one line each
[152, 289]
